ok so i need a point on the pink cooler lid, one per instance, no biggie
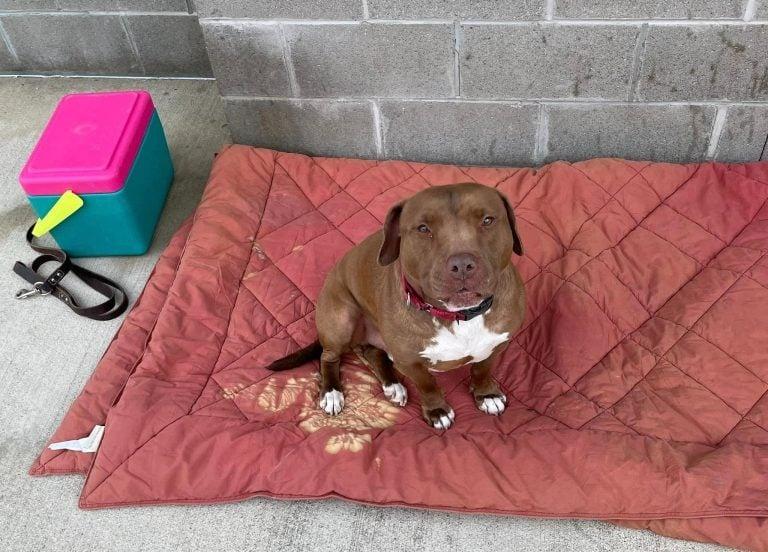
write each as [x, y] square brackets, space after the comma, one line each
[89, 145]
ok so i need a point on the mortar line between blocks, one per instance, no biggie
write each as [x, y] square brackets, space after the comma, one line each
[717, 128]
[505, 101]
[95, 13]
[510, 23]
[324, 22]
[377, 130]
[750, 9]
[541, 146]
[366, 12]
[549, 10]
[613, 22]
[435, 21]
[457, 59]
[9, 46]
[113, 77]
[638, 59]
[288, 62]
[132, 44]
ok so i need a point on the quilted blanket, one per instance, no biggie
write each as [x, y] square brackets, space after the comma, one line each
[638, 385]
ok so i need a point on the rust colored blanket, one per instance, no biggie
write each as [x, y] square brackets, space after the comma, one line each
[637, 387]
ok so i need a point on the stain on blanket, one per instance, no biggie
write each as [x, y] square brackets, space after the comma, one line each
[294, 398]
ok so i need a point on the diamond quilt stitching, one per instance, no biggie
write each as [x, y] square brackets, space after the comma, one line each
[661, 202]
[566, 250]
[651, 360]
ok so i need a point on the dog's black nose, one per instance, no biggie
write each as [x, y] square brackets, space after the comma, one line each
[461, 266]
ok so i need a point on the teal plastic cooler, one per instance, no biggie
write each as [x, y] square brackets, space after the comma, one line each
[108, 148]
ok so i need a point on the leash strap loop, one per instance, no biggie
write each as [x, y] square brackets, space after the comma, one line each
[114, 306]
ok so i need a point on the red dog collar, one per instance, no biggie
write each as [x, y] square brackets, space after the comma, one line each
[416, 301]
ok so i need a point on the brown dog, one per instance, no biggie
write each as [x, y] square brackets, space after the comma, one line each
[432, 291]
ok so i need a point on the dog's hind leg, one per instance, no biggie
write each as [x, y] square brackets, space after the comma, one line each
[378, 361]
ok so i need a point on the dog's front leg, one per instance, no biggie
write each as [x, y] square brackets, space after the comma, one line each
[488, 395]
[331, 396]
[436, 411]
[337, 318]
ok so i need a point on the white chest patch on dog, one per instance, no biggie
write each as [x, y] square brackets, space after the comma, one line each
[470, 338]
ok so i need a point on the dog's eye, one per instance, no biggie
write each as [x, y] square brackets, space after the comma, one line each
[422, 228]
[487, 221]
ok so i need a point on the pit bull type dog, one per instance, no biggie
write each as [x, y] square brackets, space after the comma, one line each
[432, 291]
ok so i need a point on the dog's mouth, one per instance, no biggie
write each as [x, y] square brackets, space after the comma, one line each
[463, 299]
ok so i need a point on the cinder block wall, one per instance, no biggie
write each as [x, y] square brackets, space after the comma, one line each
[102, 37]
[469, 81]
[495, 81]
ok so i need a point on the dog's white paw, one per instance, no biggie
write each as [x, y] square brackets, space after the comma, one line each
[494, 405]
[396, 392]
[332, 402]
[444, 421]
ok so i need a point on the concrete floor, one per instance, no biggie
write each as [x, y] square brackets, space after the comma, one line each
[47, 353]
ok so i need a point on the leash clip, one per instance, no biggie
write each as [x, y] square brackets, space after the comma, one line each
[116, 298]
[29, 293]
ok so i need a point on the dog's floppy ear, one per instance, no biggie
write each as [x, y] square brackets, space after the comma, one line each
[517, 245]
[390, 248]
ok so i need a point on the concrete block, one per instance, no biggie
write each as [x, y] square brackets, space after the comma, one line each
[152, 5]
[313, 127]
[247, 58]
[8, 62]
[545, 61]
[169, 45]
[648, 9]
[762, 10]
[744, 135]
[74, 44]
[282, 9]
[676, 133]
[705, 62]
[472, 133]
[124, 5]
[372, 59]
[28, 5]
[475, 10]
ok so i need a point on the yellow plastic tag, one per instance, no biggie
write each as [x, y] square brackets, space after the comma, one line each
[67, 204]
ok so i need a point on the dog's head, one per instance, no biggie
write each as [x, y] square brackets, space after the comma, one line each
[452, 242]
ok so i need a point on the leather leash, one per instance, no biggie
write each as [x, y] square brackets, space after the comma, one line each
[114, 306]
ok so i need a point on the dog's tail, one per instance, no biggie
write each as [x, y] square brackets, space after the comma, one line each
[310, 352]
